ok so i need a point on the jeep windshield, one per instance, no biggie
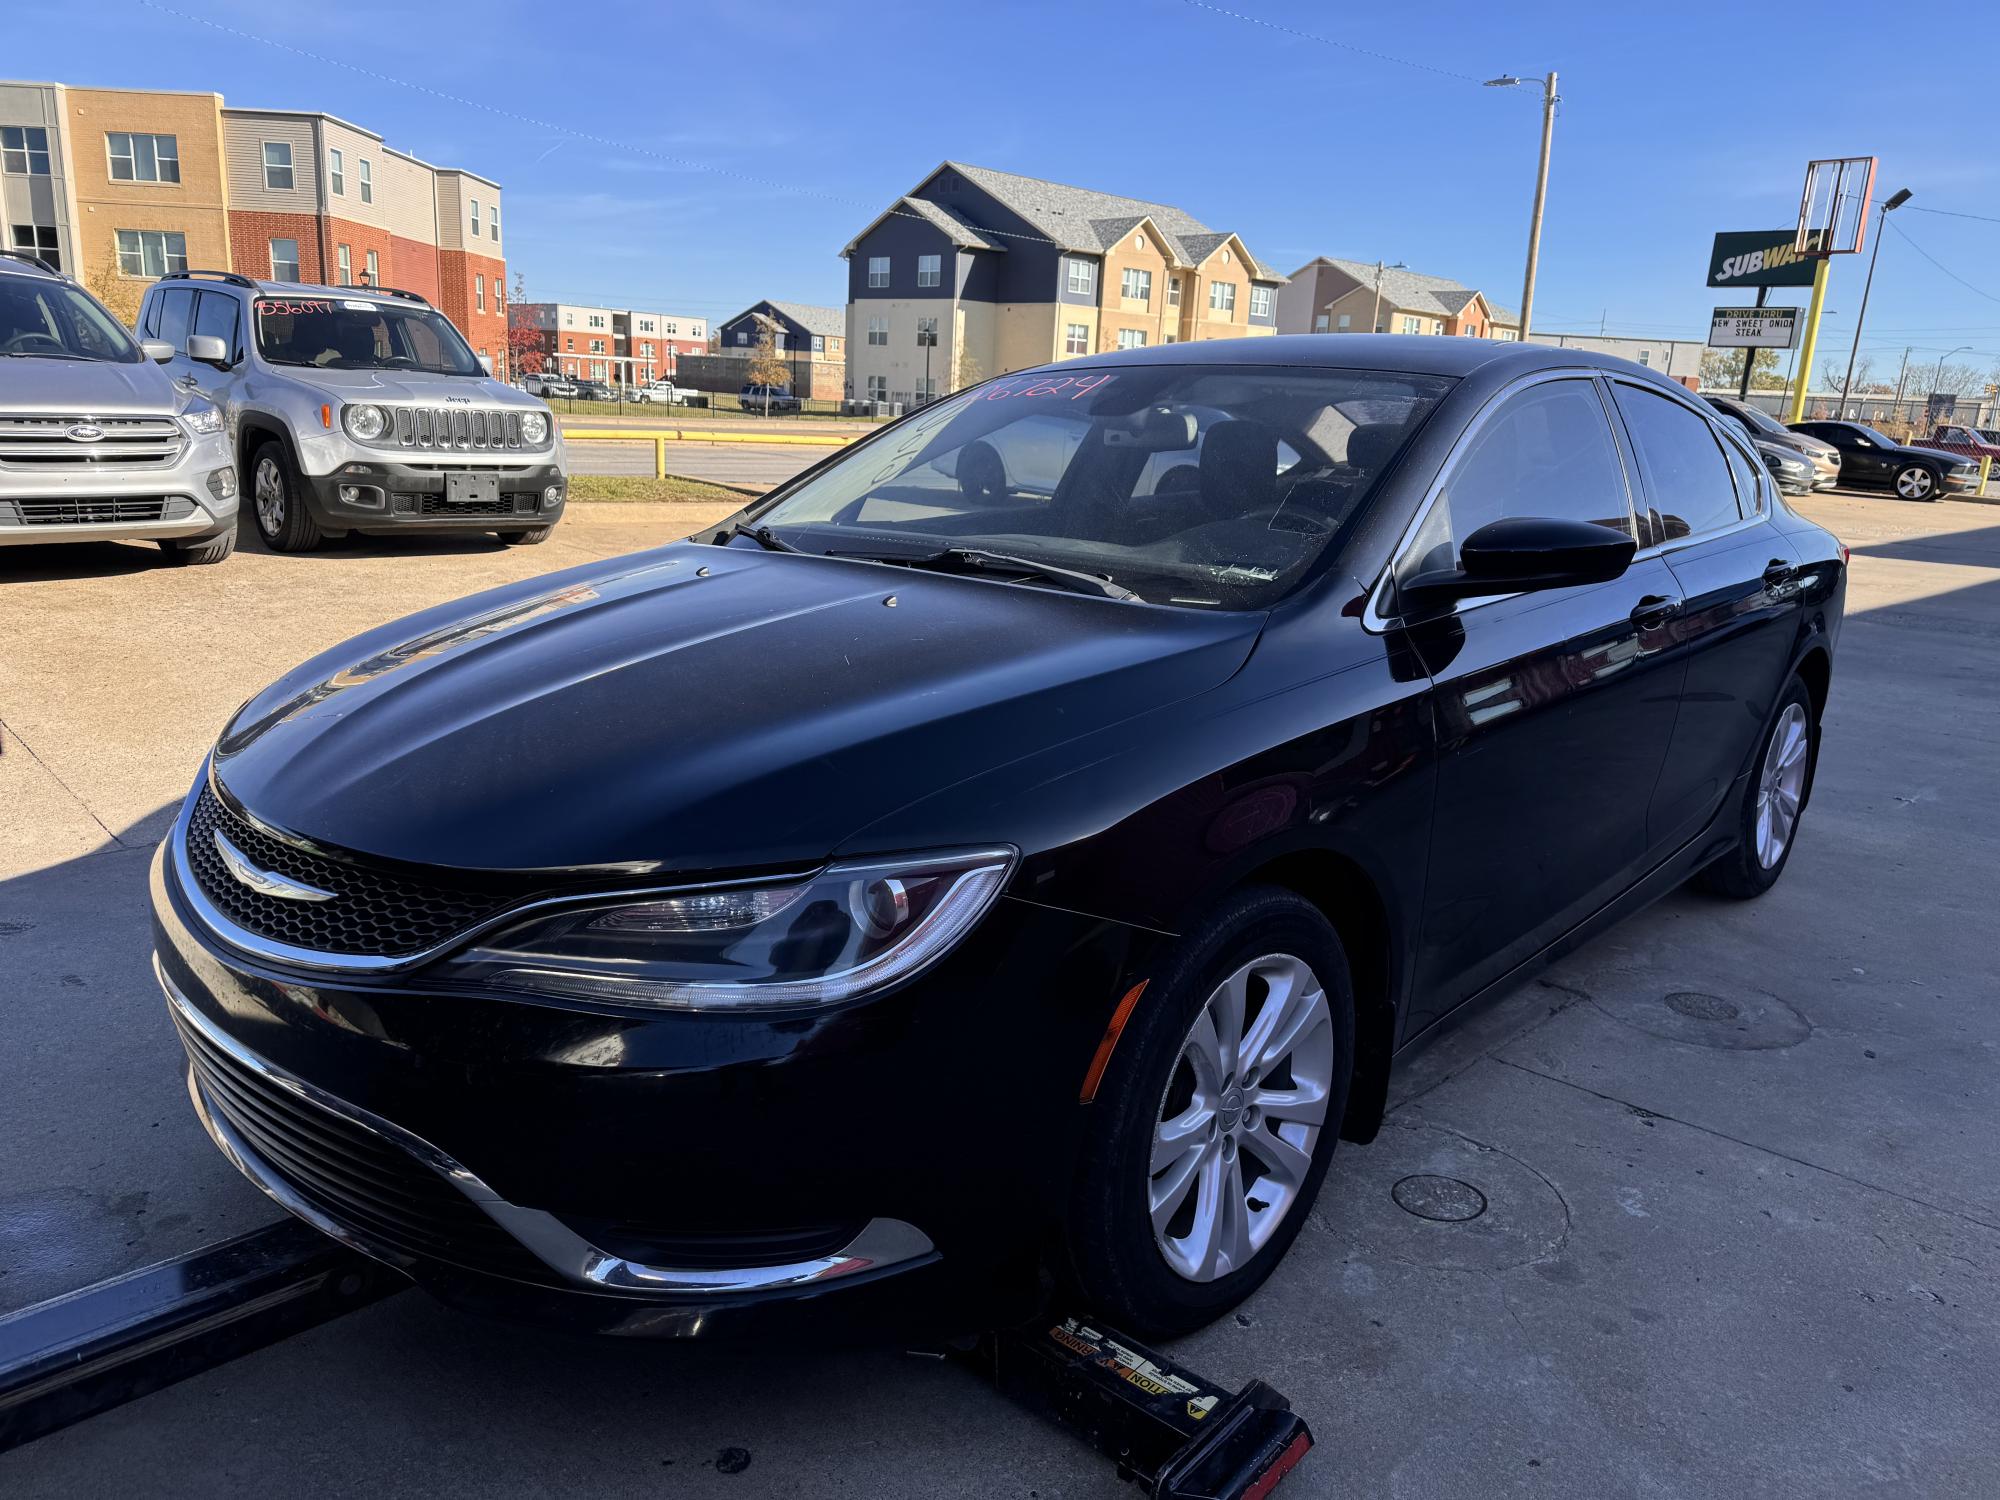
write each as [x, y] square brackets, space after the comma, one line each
[48, 320]
[359, 333]
[1196, 485]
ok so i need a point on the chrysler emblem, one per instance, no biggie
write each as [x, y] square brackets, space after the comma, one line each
[85, 432]
[263, 881]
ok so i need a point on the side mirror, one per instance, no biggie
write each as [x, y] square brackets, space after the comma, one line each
[207, 349]
[1523, 554]
[159, 351]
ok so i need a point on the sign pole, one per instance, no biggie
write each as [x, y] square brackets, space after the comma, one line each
[1811, 339]
[1750, 355]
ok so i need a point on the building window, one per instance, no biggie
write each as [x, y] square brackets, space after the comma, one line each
[819, 343]
[374, 270]
[479, 294]
[1131, 338]
[743, 336]
[878, 270]
[596, 320]
[1171, 338]
[930, 270]
[1646, 357]
[878, 330]
[1346, 322]
[569, 344]
[151, 252]
[24, 150]
[1136, 286]
[1260, 302]
[278, 166]
[1082, 275]
[1173, 291]
[645, 325]
[1320, 322]
[927, 388]
[1412, 324]
[493, 224]
[878, 387]
[1222, 297]
[671, 329]
[1506, 335]
[284, 260]
[336, 171]
[143, 158]
[367, 175]
[1076, 338]
[597, 346]
[645, 351]
[927, 333]
[38, 240]
[345, 256]
[475, 218]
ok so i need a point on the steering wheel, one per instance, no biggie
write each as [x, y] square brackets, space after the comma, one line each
[981, 474]
[14, 345]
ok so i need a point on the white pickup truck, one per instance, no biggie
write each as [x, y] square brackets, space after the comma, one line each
[668, 394]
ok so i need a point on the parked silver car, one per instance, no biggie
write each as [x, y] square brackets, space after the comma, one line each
[96, 441]
[358, 409]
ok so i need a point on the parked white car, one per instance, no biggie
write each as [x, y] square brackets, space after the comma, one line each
[666, 393]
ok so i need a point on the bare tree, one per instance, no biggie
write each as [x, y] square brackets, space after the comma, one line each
[119, 293]
[965, 369]
[768, 366]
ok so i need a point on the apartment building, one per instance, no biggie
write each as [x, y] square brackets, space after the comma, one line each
[810, 339]
[976, 272]
[120, 186]
[1328, 295]
[611, 343]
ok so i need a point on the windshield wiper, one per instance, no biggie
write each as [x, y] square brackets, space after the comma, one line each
[763, 536]
[46, 354]
[979, 560]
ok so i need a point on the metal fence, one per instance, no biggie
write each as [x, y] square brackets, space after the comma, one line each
[1912, 417]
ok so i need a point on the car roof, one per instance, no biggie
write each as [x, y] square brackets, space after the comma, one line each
[1413, 354]
[22, 266]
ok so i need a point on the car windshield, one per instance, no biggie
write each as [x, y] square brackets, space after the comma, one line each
[355, 333]
[1760, 420]
[50, 320]
[1206, 486]
[1872, 435]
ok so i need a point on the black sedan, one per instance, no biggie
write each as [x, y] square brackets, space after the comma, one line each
[1871, 461]
[1012, 852]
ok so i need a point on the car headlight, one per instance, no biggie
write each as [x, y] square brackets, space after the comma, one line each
[365, 422]
[204, 420]
[534, 427]
[853, 928]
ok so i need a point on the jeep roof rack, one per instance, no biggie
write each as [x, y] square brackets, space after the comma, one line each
[394, 291]
[232, 277]
[31, 259]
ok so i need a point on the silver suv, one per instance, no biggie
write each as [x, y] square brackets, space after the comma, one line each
[96, 441]
[358, 409]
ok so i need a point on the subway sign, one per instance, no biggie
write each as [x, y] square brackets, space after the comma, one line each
[1758, 257]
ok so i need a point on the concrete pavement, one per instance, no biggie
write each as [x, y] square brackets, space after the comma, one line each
[1741, 1229]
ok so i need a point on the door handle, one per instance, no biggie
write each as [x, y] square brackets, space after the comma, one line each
[1780, 572]
[1654, 611]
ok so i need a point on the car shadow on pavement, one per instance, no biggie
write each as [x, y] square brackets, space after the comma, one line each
[46, 562]
[1977, 548]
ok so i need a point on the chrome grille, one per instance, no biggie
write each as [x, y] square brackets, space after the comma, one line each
[38, 442]
[93, 510]
[463, 428]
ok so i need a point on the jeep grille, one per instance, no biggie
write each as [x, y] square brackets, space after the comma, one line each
[460, 428]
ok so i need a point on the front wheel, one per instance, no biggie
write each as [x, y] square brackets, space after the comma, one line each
[213, 549]
[529, 538]
[1767, 817]
[1916, 482]
[277, 501]
[1214, 1123]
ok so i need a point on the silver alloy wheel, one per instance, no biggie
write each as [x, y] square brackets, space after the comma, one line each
[1781, 785]
[1241, 1117]
[269, 488]
[1914, 483]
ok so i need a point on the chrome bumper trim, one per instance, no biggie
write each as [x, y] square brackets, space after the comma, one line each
[882, 1243]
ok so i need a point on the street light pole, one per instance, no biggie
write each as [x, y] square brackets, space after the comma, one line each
[1375, 323]
[1939, 377]
[1895, 200]
[1550, 98]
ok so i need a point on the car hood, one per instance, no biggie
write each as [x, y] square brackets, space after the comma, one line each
[402, 386]
[99, 388]
[696, 708]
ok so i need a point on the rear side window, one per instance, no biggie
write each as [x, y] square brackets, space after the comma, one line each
[1692, 491]
[215, 314]
[1743, 468]
[176, 311]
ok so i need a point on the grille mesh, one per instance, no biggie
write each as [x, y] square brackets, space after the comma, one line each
[105, 510]
[377, 910]
[354, 1176]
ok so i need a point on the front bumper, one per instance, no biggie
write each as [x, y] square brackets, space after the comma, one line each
[374, 495]
[891, 1169]
[168, 503]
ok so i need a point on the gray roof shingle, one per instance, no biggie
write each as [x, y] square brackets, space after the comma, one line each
[961, 229]
[830, 321]
[1413, 291]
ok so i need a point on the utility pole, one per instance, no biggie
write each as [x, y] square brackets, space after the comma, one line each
[1550, 98]
[1902, 374]
[1895, 200]
[1750, 355]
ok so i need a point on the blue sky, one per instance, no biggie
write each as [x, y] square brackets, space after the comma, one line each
[695, 157]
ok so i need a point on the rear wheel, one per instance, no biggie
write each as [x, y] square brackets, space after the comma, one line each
[1216, 1119]
[277, 501]
[1916, 482]
[1767, 820]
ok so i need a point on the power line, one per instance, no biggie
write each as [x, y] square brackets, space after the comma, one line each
[1977, 291]
[1952, 213]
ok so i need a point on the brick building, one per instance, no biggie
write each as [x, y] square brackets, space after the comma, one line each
[610, 343]
[124, 185]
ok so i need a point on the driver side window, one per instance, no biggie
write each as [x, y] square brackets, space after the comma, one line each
[1547, 452]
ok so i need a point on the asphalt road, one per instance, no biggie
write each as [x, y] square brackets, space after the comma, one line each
[754, 466]
[1742, 1230]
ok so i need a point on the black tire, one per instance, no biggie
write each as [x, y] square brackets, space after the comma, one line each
[294, 530]
[209, 550]
[1112, 1256]
[1740, 874]
[1918, 482]
[529, 538]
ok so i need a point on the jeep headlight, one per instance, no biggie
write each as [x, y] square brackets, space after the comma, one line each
[853, 928]
[365, 422]
[204, 419]
[534, 427]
